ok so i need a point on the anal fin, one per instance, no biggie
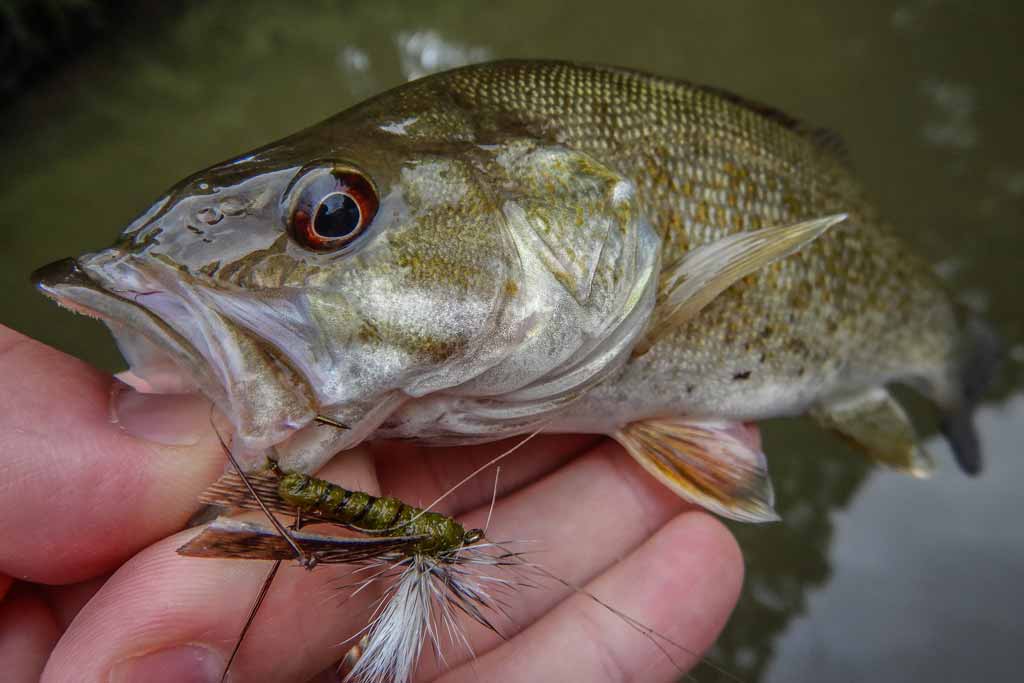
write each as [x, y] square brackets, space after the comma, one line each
[877, 424]
[713, 463]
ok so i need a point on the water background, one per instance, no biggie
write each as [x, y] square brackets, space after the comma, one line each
[872, 576]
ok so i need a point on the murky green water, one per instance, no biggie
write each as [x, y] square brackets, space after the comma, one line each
[871, 576]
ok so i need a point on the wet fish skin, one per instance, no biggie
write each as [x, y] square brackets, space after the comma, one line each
[854, 310]
[856, 307]
[533, 216]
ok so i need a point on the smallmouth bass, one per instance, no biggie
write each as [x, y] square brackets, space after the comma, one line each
[531, 245]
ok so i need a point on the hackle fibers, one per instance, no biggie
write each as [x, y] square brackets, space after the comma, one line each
[424, 597]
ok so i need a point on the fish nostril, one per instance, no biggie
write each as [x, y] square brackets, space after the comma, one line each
[233, 206]
[210, 216]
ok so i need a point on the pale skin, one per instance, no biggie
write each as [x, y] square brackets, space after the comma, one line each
[93, 511]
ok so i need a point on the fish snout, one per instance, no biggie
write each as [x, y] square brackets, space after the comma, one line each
[66, 271]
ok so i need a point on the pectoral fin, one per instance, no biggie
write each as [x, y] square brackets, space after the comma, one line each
[712, 463]
[705, 272]
[879, 426]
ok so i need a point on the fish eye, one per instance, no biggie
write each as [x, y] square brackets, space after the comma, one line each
[333, 208]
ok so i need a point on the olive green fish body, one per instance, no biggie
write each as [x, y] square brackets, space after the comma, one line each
[853, 309]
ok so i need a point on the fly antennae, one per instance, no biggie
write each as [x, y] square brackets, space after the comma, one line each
[303, 560]
[478, 470]
[494, 499]
[252, 616]
[324, 420]
[265, 588]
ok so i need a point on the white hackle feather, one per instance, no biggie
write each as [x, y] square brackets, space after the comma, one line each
[423, 601]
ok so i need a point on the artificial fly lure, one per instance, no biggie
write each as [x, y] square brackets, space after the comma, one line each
[425, 557]
[433, 566]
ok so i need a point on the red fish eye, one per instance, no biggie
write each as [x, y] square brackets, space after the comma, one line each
[333, 210]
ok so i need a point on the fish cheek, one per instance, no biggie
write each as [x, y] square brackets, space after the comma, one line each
[452, 256]
[368, 340]
[419, 305]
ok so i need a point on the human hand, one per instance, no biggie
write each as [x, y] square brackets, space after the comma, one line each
[93, 512]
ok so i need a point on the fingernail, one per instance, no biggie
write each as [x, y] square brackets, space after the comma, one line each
[181, 664]
[168, 419]
[134, 381]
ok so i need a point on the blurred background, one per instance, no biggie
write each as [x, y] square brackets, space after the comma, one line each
[871, 575]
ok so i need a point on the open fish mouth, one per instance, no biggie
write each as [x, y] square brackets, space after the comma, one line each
[72, 287]
[174, 341]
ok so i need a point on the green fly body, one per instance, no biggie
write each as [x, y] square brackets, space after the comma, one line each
[318, 500]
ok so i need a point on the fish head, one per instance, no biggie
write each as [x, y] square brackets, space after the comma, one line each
[389, 253]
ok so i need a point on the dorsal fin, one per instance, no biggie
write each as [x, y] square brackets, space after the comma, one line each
[825, 139]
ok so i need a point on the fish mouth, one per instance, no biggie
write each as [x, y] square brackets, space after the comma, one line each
[72, 287]
[176, 343]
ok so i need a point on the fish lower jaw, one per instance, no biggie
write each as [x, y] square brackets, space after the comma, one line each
[76, 308]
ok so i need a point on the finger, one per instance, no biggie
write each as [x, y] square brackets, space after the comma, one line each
[81, 493]
[166, 617]
[420, 475]
[683, 583]
[301, 629]
[577, 521]
[28, 633]
[67, 601]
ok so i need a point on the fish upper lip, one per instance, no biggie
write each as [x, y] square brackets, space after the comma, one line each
[63, 272]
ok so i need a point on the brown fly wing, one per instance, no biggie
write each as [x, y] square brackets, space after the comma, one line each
[228, 538]
[231, 492]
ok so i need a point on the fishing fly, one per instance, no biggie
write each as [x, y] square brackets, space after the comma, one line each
[425, 557]
[434, 568]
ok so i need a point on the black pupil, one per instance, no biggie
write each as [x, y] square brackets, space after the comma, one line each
[337, 216]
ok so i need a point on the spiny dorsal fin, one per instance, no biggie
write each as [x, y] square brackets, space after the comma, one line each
[825, 139]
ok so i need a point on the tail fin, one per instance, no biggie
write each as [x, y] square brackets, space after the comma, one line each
[980, 357]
